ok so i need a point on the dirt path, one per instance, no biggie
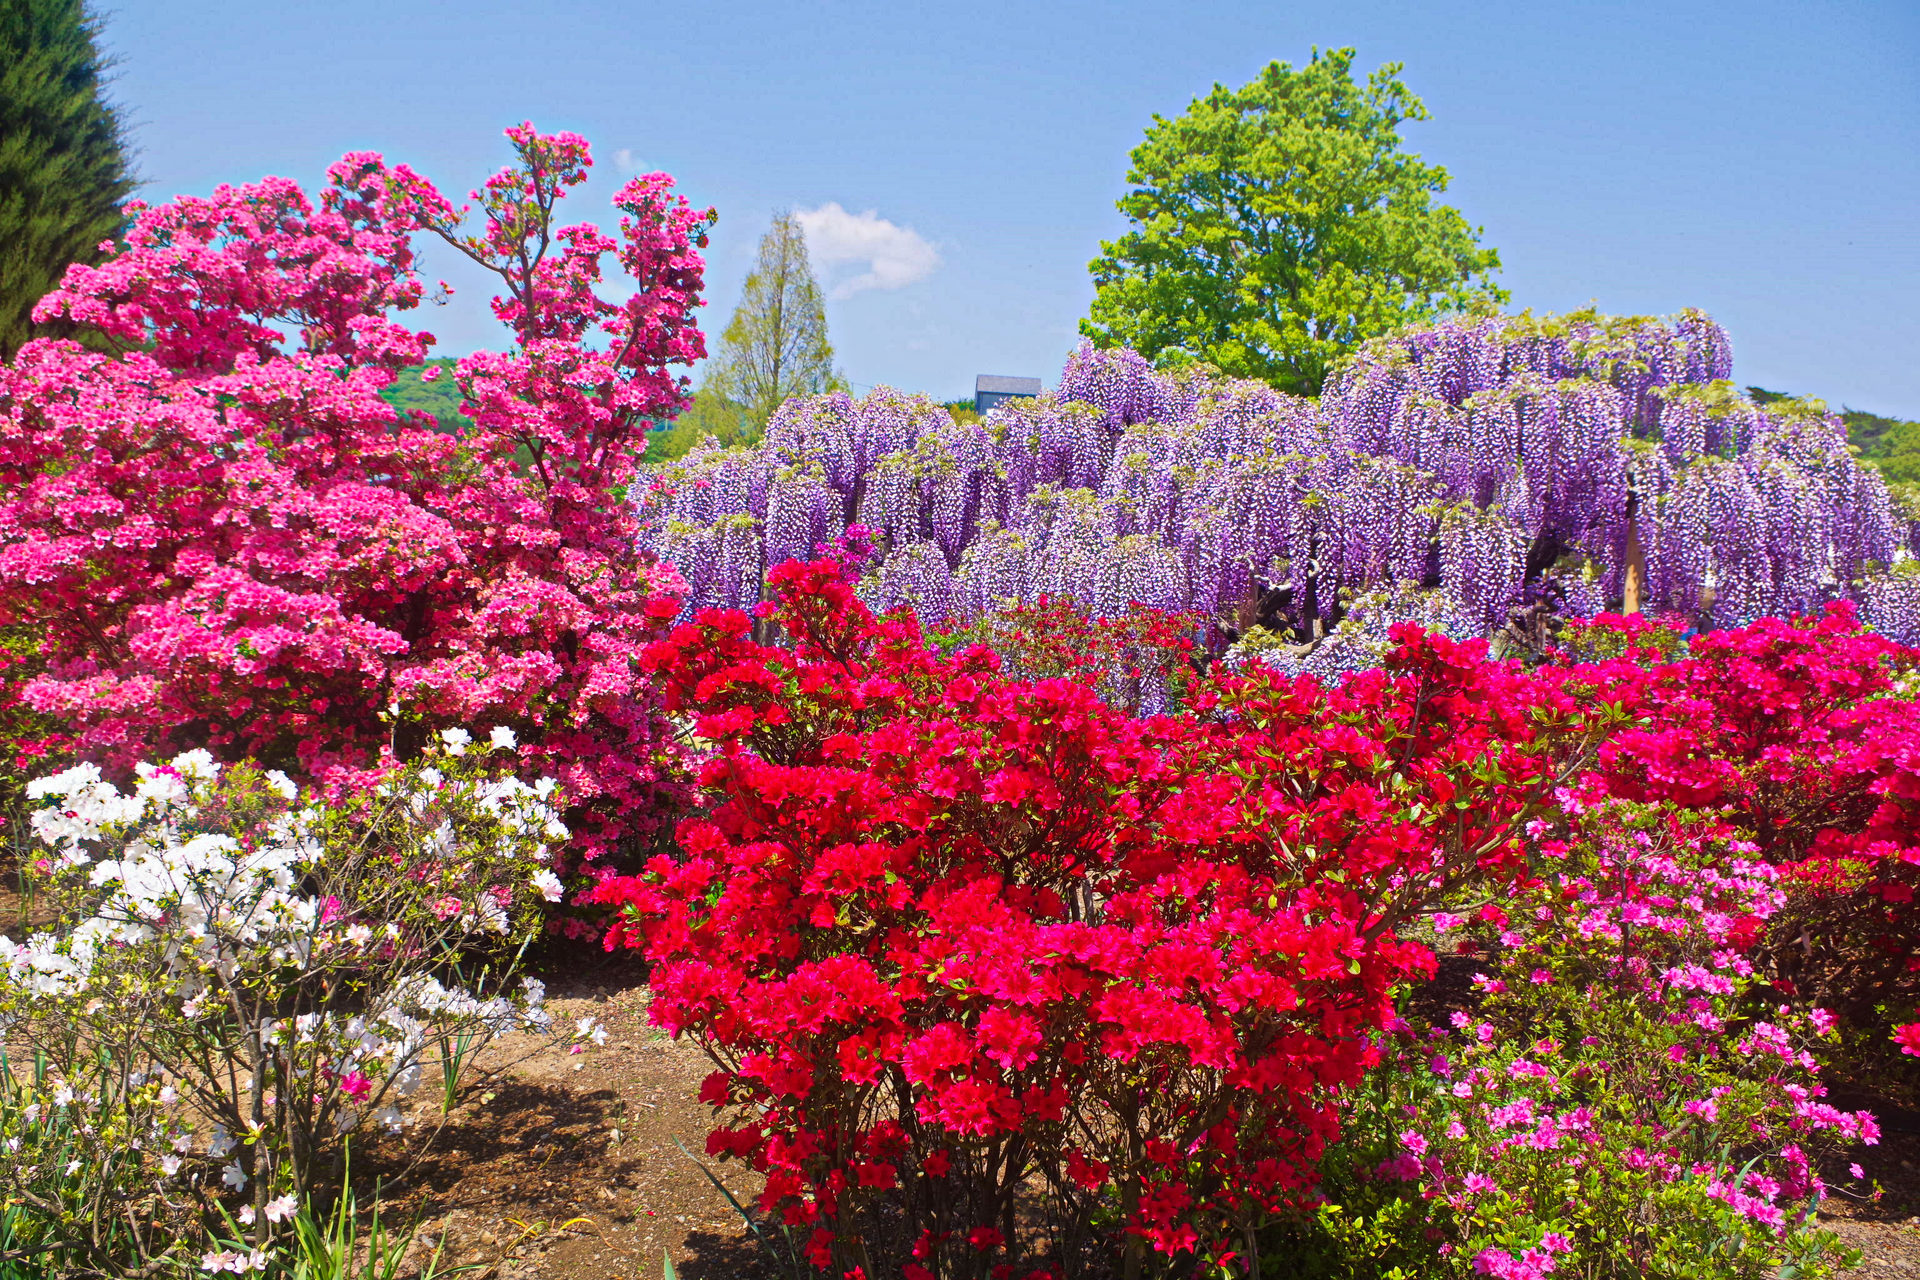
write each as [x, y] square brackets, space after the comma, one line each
[571, 1166]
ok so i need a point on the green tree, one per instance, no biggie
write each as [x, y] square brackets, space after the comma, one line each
[63, 156]
[1277, 226]
[1891, 444]
[441, 397]
[710, 414]
[776, 344]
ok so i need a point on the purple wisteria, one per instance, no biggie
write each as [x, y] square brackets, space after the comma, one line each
[1472, 471]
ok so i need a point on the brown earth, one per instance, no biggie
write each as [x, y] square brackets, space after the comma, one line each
[578, 1166]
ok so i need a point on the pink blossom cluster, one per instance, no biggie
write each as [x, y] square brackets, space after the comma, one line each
[227, 539]
[1623, 1045]
[1529, 1264]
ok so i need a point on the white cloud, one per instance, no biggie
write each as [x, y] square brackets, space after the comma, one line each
[627, 162]
[839, 242]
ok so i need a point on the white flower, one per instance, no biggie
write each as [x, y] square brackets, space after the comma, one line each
[390, 1118]
[486, 914]
[219, 1260]
[65, 782]
[283, 1208]
[219, 1144]
[169, 1165]
[234, 1176]
[549, 885]
[283, 784]
[503, 739]
[168, 1095]
[246, 1215]
[406, 1081]
[455, 741]
[590, 1029]
[359, 934]
[73, 1167]
[197, 764]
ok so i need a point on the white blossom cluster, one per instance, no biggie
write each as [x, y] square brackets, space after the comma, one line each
[219, 924]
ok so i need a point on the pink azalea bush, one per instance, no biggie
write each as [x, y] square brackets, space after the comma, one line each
[1627, 1096]
[227, 540]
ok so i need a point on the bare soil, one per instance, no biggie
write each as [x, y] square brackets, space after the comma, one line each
[577, 1166]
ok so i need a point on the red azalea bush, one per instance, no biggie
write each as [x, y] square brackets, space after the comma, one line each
[952, 935]
[1141, 661]
[226, 539]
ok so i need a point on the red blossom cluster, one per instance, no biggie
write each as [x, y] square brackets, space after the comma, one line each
[951, 934]
[224, 537]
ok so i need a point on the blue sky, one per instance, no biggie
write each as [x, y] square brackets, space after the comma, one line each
[1759, 160]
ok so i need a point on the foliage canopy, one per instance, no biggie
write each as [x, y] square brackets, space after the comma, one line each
[1277, 226]
[776, 344]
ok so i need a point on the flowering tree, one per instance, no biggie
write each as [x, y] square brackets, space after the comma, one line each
[1468, 473]
[228, 539]
[950, 933]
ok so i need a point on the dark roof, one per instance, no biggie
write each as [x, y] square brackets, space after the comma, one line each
[996, 384]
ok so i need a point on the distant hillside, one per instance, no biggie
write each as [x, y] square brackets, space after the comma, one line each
[441, 397]
[1892, 444]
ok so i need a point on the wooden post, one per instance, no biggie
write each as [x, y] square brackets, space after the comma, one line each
[1635, 585]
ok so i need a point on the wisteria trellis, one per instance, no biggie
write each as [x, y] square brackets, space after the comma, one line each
[1502, 462]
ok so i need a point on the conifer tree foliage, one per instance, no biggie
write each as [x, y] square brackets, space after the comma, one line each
[63, 159]
[776, 344]
[1277, 226]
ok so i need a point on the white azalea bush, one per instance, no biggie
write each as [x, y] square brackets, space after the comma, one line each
[249, 976]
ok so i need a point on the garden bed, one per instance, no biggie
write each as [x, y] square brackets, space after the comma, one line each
[574, 1169]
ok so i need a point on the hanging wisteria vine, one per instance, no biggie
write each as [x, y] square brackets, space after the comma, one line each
[1477, 471]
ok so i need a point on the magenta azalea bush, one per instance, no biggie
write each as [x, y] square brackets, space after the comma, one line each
[228, 540]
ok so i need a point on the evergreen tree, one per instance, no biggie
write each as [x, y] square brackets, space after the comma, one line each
[776, 344]
[63, 158]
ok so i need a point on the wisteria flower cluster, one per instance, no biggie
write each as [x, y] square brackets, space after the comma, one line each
[952, 935]
[274, 971]
[221, 535]
[1511, 464]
